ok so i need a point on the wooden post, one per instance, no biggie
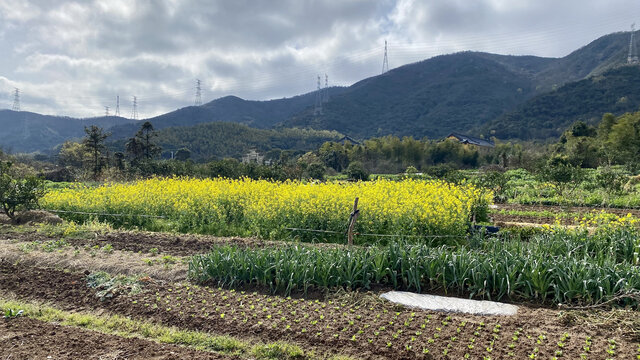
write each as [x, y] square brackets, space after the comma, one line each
[352, 223]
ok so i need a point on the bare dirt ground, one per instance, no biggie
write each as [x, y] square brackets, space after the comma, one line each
[24, 338]
[346, 325]
[356, 324]
[137, 241]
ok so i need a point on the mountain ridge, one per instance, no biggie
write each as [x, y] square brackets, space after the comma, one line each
[460, 92]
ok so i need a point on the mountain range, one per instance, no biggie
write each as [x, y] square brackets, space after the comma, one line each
[509, 97]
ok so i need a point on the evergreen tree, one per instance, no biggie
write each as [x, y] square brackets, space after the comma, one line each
[94, 143]
[142, 145]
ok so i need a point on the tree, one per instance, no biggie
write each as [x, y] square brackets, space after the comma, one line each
[315, 170]
[16, 193]
[334, 155]
[142, 146]
[624, 140]
[119, 160]
[356, 171]
[183, 154]
[94, 143]
[146, 134]
[73, 154]
[562, 174]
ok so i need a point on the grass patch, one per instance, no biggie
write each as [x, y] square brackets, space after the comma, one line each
[126, 327]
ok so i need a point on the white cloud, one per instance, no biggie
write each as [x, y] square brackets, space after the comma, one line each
[74, 57]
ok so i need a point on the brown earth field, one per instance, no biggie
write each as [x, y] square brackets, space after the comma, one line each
[139, 241]
[135, 241]
[356, 324]
[24, 338]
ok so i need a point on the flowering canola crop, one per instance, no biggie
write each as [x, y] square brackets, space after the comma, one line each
[266, 209]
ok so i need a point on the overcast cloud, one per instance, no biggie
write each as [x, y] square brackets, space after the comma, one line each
[74, 57]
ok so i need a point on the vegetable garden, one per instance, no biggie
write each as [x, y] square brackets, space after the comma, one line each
[240, 297]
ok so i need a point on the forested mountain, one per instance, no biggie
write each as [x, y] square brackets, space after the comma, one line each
[549, 114]
[23, 131]
[257, 114]
[220, 140]
[460, 92]
[431, 98]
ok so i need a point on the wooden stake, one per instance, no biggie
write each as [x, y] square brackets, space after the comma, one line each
[352, 223]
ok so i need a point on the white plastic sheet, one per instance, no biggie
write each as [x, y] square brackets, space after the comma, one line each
[449, 304]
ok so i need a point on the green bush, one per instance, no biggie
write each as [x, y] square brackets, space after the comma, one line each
[356, 171]
[18, 193]
[611, 179]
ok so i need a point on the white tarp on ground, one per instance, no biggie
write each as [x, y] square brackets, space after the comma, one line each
[449, 304]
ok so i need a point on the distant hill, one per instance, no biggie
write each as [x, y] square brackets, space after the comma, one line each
[460, 92]
[431, 98]
[221, 139]
[549, 114]
[257, 114]
[24, 131]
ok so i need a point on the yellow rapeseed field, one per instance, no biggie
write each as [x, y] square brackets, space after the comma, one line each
[266, 209]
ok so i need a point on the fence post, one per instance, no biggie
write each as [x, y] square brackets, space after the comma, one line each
[352, 222]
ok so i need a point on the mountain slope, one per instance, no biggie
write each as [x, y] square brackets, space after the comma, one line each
[24, 131]
[430, 98]
[458, 92]
[221, 139]
[257, 114]
[548, 115]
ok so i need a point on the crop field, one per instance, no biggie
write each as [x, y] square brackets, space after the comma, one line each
[213, 271]
[266, 209]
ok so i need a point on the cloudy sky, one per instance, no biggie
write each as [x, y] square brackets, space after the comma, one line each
[74, 57]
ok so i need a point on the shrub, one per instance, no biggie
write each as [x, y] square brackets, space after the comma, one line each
[356, 171]
[18, 194]
[611, 179]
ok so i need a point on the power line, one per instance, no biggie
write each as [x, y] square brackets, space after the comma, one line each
[16, 100]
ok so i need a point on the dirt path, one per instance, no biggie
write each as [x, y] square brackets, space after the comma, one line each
[361, 326]
[24, 338]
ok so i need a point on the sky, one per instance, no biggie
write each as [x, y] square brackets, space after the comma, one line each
[73, 58]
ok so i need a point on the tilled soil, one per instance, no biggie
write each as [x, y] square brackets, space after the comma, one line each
[24, 338]
[366, 328]
[144, 242]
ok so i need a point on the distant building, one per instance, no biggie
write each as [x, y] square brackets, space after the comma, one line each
[349, 139]
[252, 156]
[466, 139]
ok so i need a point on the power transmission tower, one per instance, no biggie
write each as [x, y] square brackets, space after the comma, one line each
[134, 111]
[385, 61]
[632, 58]
[106, 111]
[16, 100]
[117, 105]
[198, 101]
[318, 109]
[325, 97]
